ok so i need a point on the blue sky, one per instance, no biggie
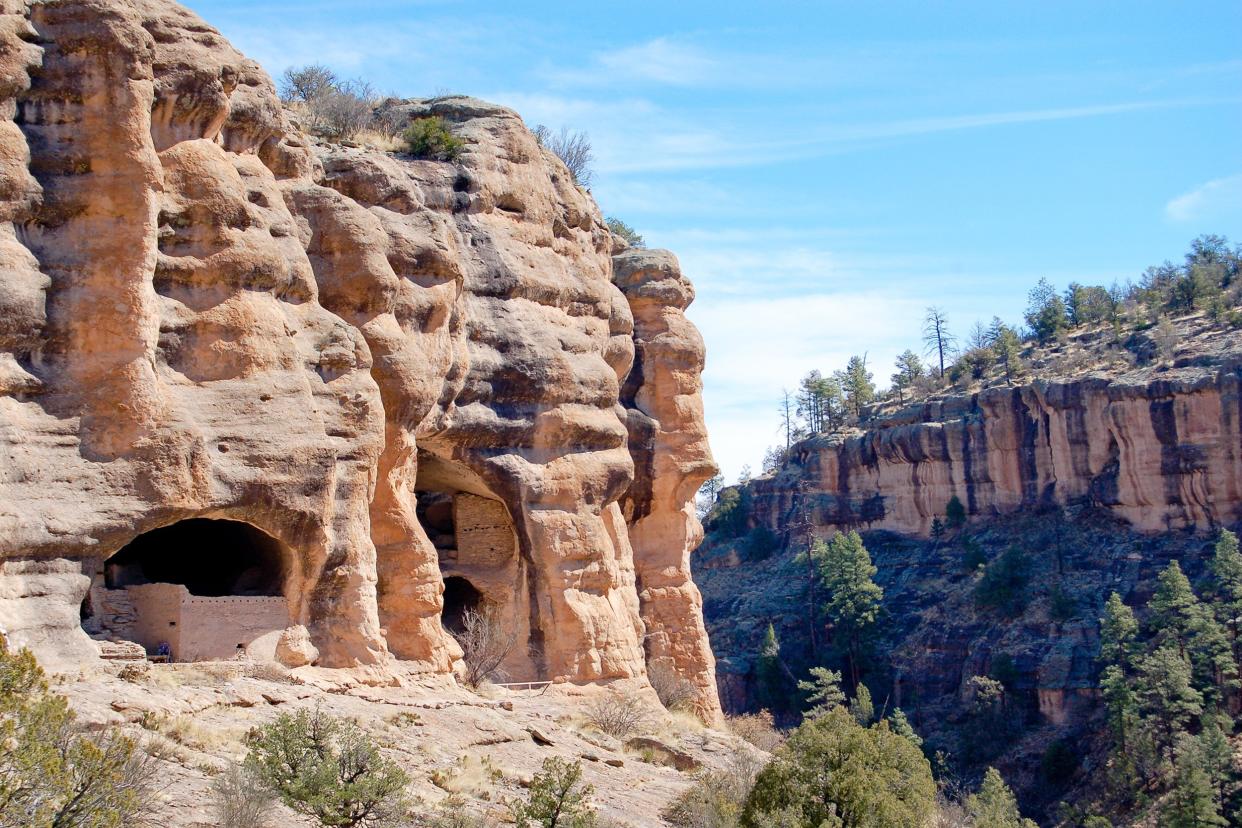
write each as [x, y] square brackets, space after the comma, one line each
[825, 171]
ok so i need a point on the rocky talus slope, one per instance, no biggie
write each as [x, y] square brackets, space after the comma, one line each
[206, 314]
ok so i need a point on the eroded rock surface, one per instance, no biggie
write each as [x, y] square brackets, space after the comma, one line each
[1159, 449]
[205, 314]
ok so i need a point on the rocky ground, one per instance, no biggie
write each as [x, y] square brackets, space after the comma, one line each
[483, 747]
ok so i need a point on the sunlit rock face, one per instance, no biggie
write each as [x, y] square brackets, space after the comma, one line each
[206, 314]
[1162, 450]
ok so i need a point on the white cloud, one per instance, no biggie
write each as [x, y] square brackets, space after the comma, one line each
[756, 347]
[1215, 196]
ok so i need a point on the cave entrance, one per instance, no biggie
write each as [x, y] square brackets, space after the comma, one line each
[460, 597]
[476, 546]
[210, 558]
[196, 590]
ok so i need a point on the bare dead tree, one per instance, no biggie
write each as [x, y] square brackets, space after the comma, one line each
[485, 643]
[573, 148]
[306, 83]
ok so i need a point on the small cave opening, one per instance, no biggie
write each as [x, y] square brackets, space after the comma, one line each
[460, 597]
[210, 558]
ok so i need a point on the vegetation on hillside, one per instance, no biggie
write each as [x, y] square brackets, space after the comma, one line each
[53, 774]
[1062, 332]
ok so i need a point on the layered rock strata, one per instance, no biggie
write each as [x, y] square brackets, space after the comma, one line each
[1159, 449]
[205, 314]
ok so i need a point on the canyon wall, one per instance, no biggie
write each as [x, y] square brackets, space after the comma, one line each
[1161, 449]
[205, 313]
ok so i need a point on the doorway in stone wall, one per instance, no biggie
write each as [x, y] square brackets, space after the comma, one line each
[196, 590]
[460, 597]
[477, 550]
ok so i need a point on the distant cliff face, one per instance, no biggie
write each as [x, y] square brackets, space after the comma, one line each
[1161, 450]
[205, 314]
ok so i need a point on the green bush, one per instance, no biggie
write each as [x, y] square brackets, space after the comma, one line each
[429, 138]
[835, 772]
[1058, 763]
[328, 769]
[759, 545]
[619, 228]
[556, 798]
[52, 775]
[1062, 606]
[1004, 581]
[974, 556]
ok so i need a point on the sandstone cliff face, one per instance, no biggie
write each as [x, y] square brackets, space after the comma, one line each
[1159, 450]
[205, 314]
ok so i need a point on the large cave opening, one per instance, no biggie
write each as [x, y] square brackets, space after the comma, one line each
[210, 558]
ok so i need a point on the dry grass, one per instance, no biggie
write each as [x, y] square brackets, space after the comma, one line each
[472, 776]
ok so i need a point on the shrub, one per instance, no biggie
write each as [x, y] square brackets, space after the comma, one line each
[573, 148]
[619, 228]
[759, 729]
[334, 108]
[833, 771]
[675, 692]
[1058, 763]
[1062, 606]
[485, 643]
[53, 774]
[328, 769]
[345, 110]
[974, 556]
[1003, 585]
[717, 797]
[430, 139]
[759, 545]
[617, 714]
[557, 798]
[241, 800]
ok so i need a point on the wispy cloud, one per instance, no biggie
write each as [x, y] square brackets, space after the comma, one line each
[1207, 199]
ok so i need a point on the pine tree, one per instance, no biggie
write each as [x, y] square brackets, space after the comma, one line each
[770, 673]
[856, 384]
[902, 727]
[1118, 696]
[909, 372]
[1166, 697]
[862, 708]
[1227, 588]
[1118, 630]
[1045, 312]
[820, 403]
[954, 514]
[995, 806]
[1007, 346]
[823, 692]
[853, 605]
[1178, 617]
[1192, 802]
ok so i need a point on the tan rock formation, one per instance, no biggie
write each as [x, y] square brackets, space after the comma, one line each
[668, 439]
[205, 314]
[1161, 450]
